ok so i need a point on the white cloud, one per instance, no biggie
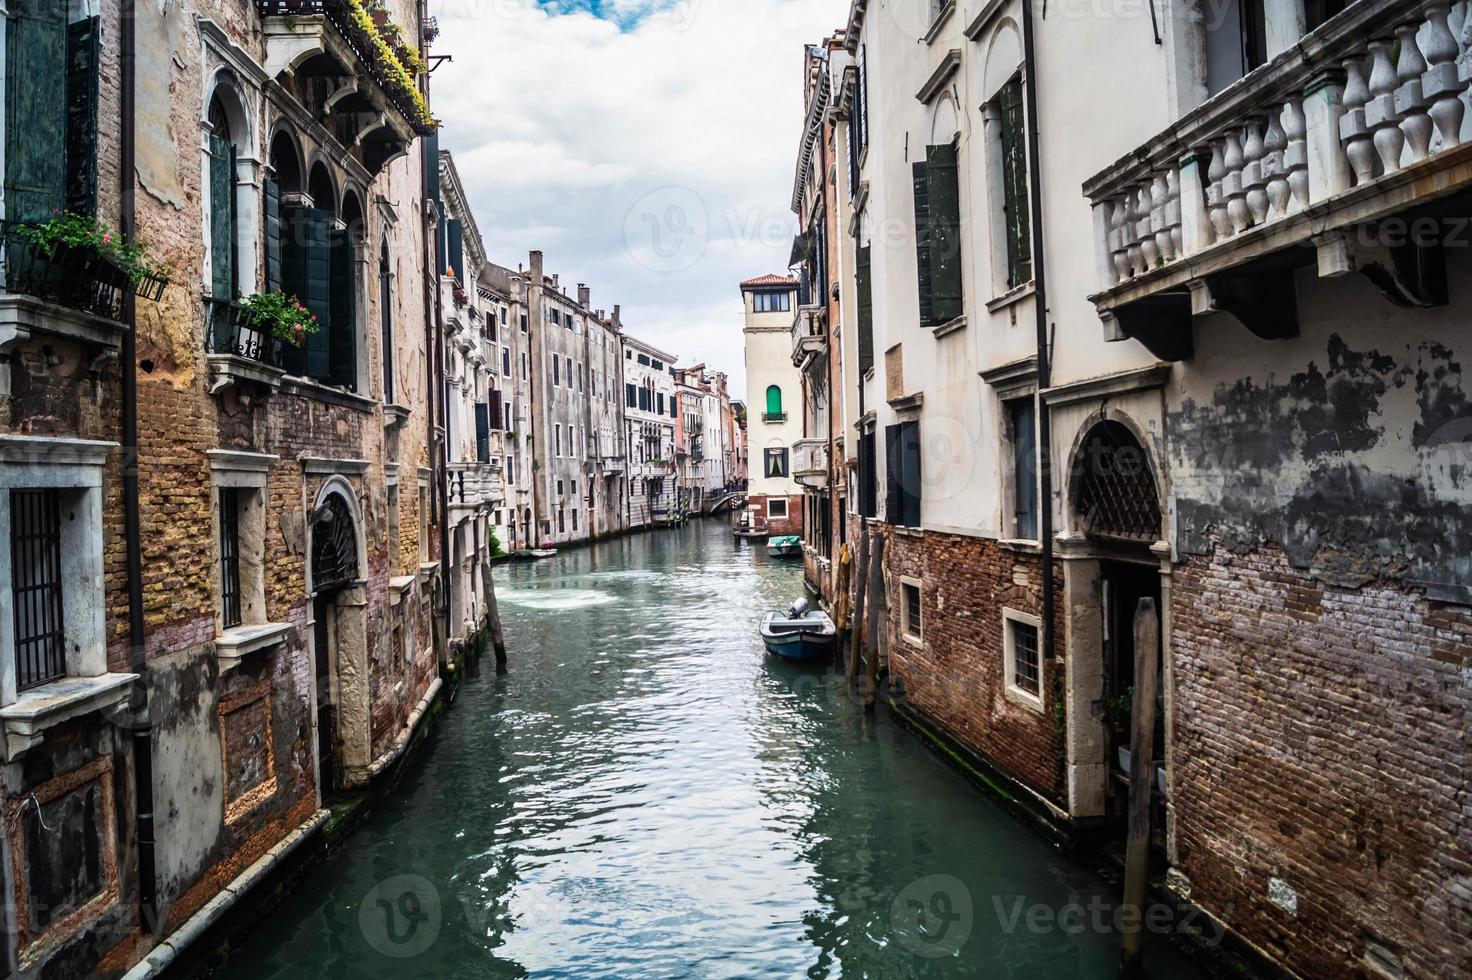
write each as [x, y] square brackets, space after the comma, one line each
[584, 136]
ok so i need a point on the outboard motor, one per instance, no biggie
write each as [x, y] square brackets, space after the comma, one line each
[798, 609]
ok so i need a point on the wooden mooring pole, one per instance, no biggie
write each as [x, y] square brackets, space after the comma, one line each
[1142, 778]
[856, 621]
[876, 621]
[498, 638]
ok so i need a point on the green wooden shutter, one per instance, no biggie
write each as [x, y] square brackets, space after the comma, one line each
[291, 266]
[922, 242]
[271, 223]
[306, 274]
[1014, 183]
[342, 346]
[865, 288]
[455, 232]
[35, 110]
[482, 432]
[774, 400]
[944, 200]
[893, 497]
[222, 210]
[431, 144]
[910, 473]
[82, 72]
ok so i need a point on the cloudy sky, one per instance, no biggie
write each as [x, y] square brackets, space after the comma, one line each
[645, 146]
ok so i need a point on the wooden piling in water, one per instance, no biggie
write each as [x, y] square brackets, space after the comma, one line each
[1142, 778]
[861, 585]
[876, 620]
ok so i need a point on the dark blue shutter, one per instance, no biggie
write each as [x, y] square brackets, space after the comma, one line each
[482, 432]
[35, 110]
[342, 345]
[271, 224]
[922, 242]
[944, 240]
[893, 494]
[81, 115]
[431, 145]
[863, 285]
[222, 226]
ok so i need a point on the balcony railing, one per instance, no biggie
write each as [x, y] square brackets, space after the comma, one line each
[229, 331]
[1358, 121]
[808, 337]
[76, 278]
[474, 485]
[810, 463]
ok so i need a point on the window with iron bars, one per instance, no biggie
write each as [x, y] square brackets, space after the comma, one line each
[35, 537]
[230, 557]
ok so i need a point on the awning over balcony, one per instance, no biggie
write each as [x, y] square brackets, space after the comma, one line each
[375, 100]
[1329, 156]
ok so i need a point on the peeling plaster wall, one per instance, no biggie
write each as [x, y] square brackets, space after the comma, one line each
[1349, 446]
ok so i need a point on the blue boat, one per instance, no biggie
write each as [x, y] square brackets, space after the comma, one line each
[801, 635]
[784, 546]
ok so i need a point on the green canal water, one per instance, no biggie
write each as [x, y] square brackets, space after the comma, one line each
[645, 794]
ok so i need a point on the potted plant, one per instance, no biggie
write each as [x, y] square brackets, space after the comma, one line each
[60, 256]
[1118, 712]
[282, 318]
[377, 13]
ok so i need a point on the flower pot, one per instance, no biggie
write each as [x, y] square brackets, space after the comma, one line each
[1124, 757]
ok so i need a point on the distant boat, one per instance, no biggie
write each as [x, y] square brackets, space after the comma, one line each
[750, 529]
[785, 546]
[532, 554]
[801, 635]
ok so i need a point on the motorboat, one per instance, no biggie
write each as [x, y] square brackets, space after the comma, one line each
[801, 635]
[749, 529]
[784, 546]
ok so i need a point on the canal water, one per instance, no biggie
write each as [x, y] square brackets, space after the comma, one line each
[645, 794]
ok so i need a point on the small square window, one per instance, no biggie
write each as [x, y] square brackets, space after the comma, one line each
[777, 508]
[1024, 666]
[910, 605]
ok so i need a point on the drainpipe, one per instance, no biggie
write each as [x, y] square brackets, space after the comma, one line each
[1040, 305]
[142, 727]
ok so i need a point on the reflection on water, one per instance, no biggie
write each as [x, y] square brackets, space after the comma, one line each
[646, 795]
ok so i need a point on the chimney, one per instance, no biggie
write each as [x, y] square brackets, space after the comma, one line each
[585, 295]
[536, 269]
[616, 321]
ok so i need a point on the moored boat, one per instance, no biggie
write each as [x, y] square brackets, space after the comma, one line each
[785, 546]
[801, 635]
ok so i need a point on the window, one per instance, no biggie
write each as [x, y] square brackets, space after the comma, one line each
[777, 507]
[771, 302]
[561, 489]
[776, 463]
[561, 521]
[574, 518]
[863, 284]
[1022, 422]
[1236, 39]
[938, 235]
[632, 394]
[557, 436]
[644, 359]
[318, 267]
[659, 400]
[656, 364]
[902, 454]
[386, 322]
[1010, 155]
[222, 206]
[774, 411]
[910, 604]
[868, 476]
[229, 557]
[36, 584]
[1023, 667]
[556, 371]
[505, 362]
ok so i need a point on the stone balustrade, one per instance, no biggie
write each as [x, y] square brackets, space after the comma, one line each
[1374, 91]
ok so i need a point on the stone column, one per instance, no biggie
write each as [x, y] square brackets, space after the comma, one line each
[1323, 105]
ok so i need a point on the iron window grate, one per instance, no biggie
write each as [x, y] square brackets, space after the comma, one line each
[1025, 657]
[230, 556]
[1114, 490]
[40, 651]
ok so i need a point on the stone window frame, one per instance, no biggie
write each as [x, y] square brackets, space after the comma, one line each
[1035, 702]
[234, 76]
[786, 510]
[248, 474]
[251, 800]
[908, 583]
[1010, 382]
[29, 948]
[74, 467]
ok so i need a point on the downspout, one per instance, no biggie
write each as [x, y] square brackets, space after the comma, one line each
[141, 727]
[1040, 307]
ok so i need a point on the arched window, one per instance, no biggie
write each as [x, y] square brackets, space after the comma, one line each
[334, 545]
[774, 401]
[386, 320]
[318, 267]
[1112, 486]
[224, 211]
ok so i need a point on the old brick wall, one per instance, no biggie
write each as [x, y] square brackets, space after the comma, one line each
[957, 677]
[1321, 741]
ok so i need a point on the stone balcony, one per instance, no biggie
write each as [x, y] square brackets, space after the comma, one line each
[1328, 156]
[810, 463]
[374, 100]
[474, 487]
[809, 338]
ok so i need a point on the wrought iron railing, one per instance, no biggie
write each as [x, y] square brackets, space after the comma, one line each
[76, 278]
[229, 331]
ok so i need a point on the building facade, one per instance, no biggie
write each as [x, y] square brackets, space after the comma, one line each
[1143, 402]
[774, 388]
[651, 414]
[214, 630]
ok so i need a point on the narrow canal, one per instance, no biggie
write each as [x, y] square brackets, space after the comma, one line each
[644, 794]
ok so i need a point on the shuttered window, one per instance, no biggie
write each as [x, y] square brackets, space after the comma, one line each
[455, 235]
[864, 284]
[83, 45]
[483, 432]
[863, 114]
[902, 483]
[35, 109]
[632, 394]
[222, 217]
[1012, 122]
[386, 324]
[342, 345]
[868, 475]
[306, 273]
[944, 237]
[920, 178]
[1022, 417]
[271, 226]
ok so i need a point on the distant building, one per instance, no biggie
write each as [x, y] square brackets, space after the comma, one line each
[773, 388]
[650, 414]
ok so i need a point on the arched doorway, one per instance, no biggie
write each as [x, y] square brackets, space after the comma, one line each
[338, 633]
[1116, 520]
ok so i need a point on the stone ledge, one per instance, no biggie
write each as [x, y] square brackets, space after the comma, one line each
[22, 316]
[230, 370]
[27, 720]
[238, 642]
